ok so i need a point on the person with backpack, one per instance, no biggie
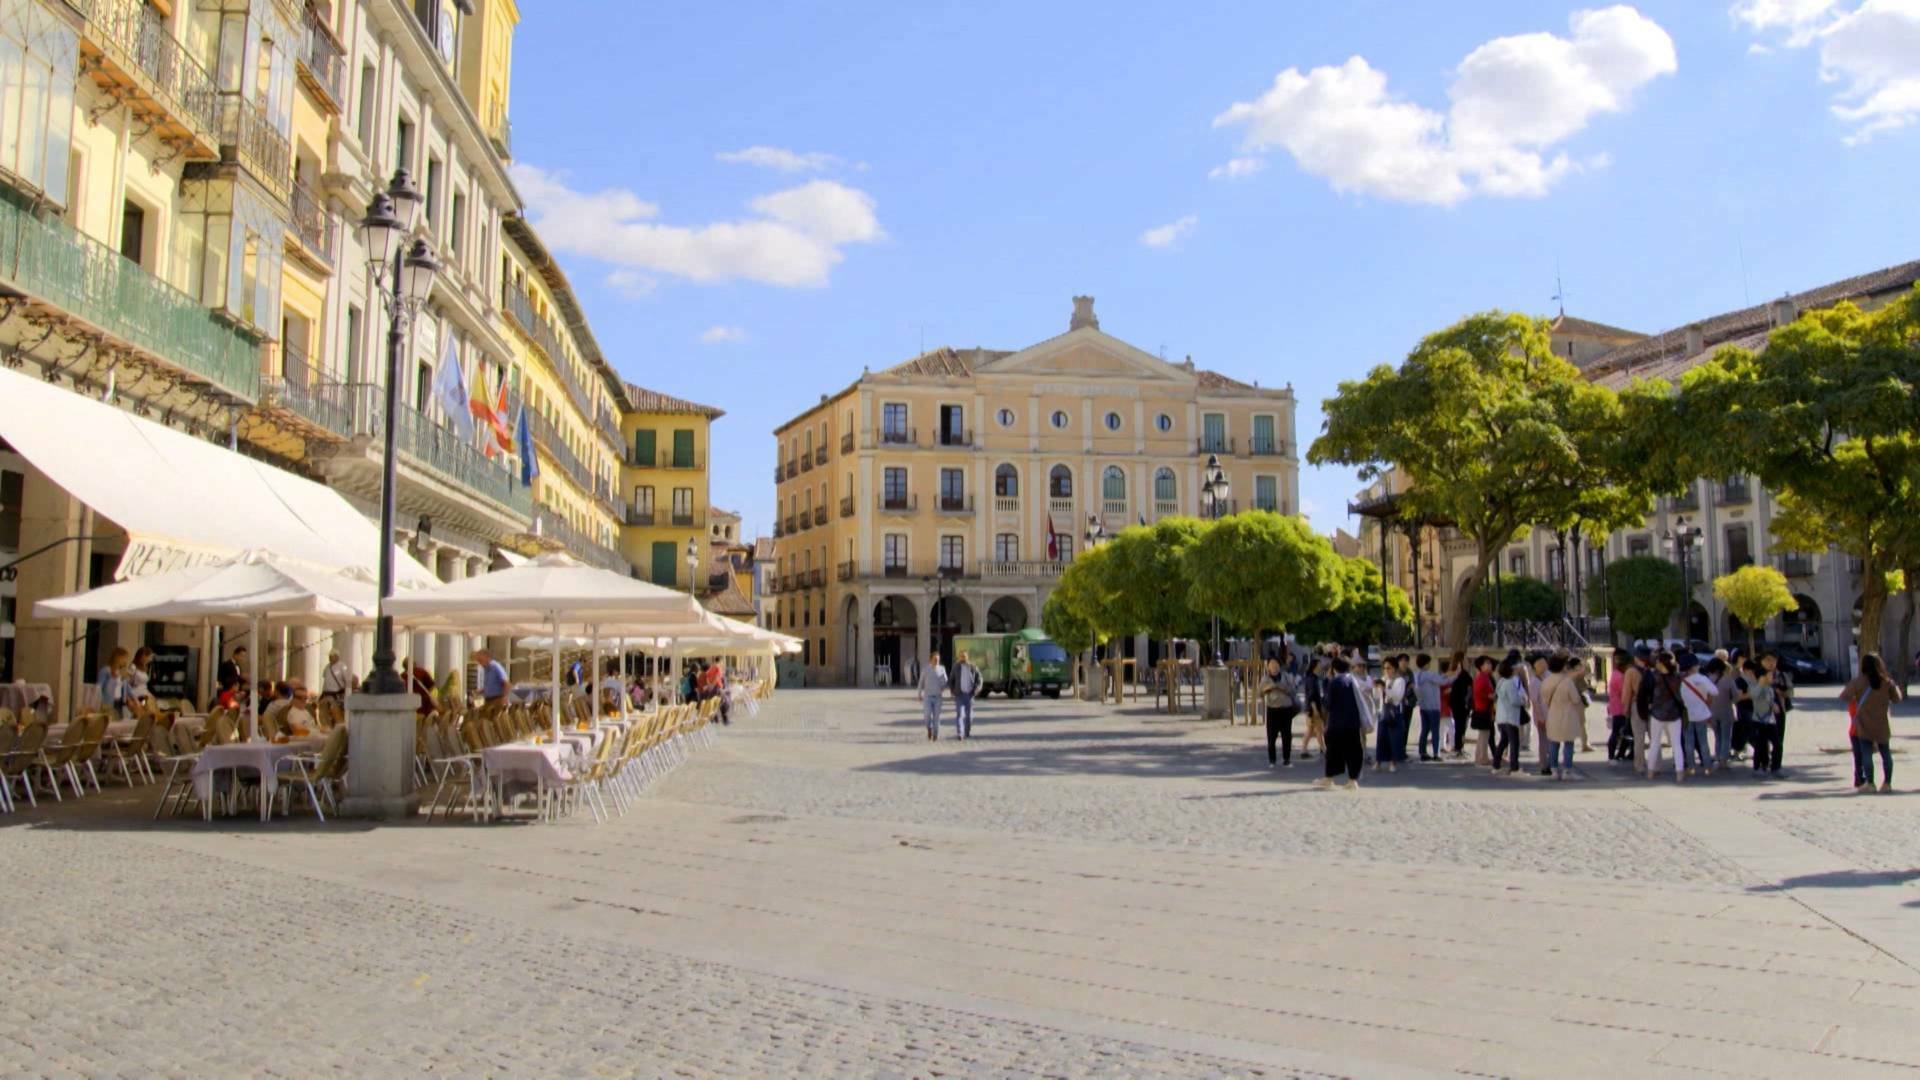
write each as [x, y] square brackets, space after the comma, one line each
[1661, 692]
[1280, 693]
[1871, 696]
[1697, 691]
[1348, 718]
[1730, 691]
[965, 682]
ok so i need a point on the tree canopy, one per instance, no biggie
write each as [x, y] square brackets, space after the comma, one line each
[1639, 594]
[1490, 430]
[1754, 594]
[1356, 616]
[1148, 575]
[1082, 611]
[1523, 599]
[1260, 571]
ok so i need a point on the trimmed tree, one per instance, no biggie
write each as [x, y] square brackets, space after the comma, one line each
[1147, 569]
[1261, 571]
[1491, 431]
[1357, 616]
[1081, 612]
[1639, 594]
[1523, 599]
[1754, 594]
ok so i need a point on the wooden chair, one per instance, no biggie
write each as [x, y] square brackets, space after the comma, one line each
[179, 764]
[319, 775]
[129, 752]
[19, 762]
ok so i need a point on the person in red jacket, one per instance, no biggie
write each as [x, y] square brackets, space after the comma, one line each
[1483, 689]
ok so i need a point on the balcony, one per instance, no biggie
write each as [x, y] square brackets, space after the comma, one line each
[1686, 502]
[898, 437]
[899, 504]
[608, 422]
[684, 518]
[791, 526]
[846, 506]
[312, 223]
[846, 570]
[551, 526]
[778, 530]
[558, 451]
[793, 469]
[500, 134]
[438, 450]
[1735, 493]
[1114, 508]
[817, 577]
[956, 504]
[896, 570]
[778, 473]
[806, 461]
[846, 444]
[1060, 504]
[1219, 508]
[956, 437]
[519, 308]
[1006, 504]
[1796, 564]
[1165, 508]
[820, 516]
[667, 459]
[135, 59]
[1268, 448]
[296, 394]
[322, 62]
[1020, 568]
[92, 284]
[1222, 444]
[249, 137]
[637, 515]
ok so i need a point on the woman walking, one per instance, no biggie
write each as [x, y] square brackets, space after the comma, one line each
[1566, 702]
[1871, 695]
[1280, 693]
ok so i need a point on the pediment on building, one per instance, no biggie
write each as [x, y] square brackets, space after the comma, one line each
[1088, 353]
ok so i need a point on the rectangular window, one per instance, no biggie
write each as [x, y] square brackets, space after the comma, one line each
[1517, 563]
[1213, 433]
[423, 387]
[1556, 566]
[1063, 547]
[643, 448]
[13, 488]
[643, 499]
[1739, 547]
[354, 319]
[403, 145]
[1163, 486]
[39, 55]
[363, 126]
[953, 489]
[1639, 545]
[1006, 547]
[133, 232]
[683, 506]
[895, 551]
[432, 207]
[683, 449]
[953, 553]
[1263, 441]
[893, 485]
[457, 226]
[893, 422]
[1266, 493]
[953, 426]
[1006, 482]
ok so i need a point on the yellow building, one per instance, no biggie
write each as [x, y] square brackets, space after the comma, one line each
[943, 495]
[664, 477]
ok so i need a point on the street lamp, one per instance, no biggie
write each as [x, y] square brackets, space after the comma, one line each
[403, 277]
[1213, 507]
[1680, 537]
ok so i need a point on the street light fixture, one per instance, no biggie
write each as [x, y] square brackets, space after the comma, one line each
[403, 277]
[1213, 504]
[1680, 537]
[1096, 530]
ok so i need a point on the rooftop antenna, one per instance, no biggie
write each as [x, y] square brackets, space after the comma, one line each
[1559, 290]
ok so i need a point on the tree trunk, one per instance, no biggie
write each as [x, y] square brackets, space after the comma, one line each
[1905, 664]
[1461, 613]
[1873, 603]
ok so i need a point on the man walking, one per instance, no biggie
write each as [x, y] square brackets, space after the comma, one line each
[338, 680]
[933, 683]
[966, 683]
[493, 678]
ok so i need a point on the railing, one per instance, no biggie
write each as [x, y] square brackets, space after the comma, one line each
[820, 515]
[134, 36]
[586, 548]
[778, 474]
[500, 133]
[1059, 505]
[1796, 564]
[256, 144]
[323, 60]
[1735, 492]
[895, 570]
[1114, 507]
[556, 447]
[846, 443]
[312, 221]
[519, 307]
[952, 437]
[817, 577]
[806, 461]
[1221, 445]
[608, 422]
[1006, 504]
[956, 504]
[778, 532]
[793, 469]
[899, 504]
[684, 518]
[846, 506]
[1547, 635]
[791, 527]
[1267, 447]
[1165, 508]
[292, 382]
[1020, 568]
[898, 437]
[1219, 508]
[846, 570]
[666, 460]
[638, 516]
[50, 261]
[439, 449]
[1690, 500]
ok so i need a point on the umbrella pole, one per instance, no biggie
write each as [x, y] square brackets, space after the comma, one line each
[253, 681]
[593, 676]
[554, 702]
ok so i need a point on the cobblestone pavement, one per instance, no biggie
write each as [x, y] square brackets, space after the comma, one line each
[1077, 891]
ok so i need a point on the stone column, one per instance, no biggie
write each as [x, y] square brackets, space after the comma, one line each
[380, 756]
[923, 629]
[41, 649]
[311, 659]
[863, 639]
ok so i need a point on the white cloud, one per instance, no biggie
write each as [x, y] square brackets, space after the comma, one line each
[781, 160]
[632, 284]
[795, 239]
[722, 335]
[1511, 101]
[1161, 236]
[1870, 49]
[1237, 169]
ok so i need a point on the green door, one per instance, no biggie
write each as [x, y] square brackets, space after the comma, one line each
[683, 449]
[643, 449]
[664, 552]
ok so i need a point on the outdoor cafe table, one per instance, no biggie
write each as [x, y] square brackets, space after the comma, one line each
[20, 696]
[544, 765]
[260, 757]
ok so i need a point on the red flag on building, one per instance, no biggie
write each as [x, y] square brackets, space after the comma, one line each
[1053, 542]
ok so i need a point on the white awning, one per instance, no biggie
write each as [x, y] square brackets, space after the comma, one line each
[183, 500]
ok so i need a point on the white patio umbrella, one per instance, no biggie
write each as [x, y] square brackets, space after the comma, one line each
[551, 594]
[249, 589]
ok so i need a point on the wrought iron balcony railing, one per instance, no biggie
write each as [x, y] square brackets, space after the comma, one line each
[248, 136]
[898, 437]
[899, 504]
[1222, 444]
[135, 44]
[439, 449]
[846, 443]
[312, 221]
[323, 62]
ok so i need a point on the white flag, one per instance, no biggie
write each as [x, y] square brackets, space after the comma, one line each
[450, 390]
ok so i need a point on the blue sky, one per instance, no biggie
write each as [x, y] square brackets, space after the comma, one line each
[759, 199]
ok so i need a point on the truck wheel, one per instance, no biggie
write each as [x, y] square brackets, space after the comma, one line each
[1053, 692]
[1017, 691]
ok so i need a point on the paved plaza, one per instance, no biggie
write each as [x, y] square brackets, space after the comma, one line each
[1078, 891]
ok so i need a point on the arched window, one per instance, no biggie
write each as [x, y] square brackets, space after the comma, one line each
[1060, 482]
[1164, 490]
[1113, 484]
[1006, 481]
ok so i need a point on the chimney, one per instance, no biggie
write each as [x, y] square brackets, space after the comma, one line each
[1083, 314]
[1696, 340]
[1782, 311]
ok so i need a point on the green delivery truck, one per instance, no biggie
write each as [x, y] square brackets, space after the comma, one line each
[1016, 664]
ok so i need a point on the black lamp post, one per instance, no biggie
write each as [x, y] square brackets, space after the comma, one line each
[1680, 537]
[403, 276]
[1213, 506]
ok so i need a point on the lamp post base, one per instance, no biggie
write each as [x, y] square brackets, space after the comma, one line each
[380, 748]
[1219, 684]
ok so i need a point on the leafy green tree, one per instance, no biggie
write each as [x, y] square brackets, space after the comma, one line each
[1356, 617]
[1148, 575]
[1083, 610]
[1491, 431]
[1261, 571]
[1826, 416]
[1639, 594]
[1754, 594]
[1522, 599]
[1064, 624]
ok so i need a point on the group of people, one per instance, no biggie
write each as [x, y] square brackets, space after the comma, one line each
[123, 679]
[1709, 713]
[963, 682]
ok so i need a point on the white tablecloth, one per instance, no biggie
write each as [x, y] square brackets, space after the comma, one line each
[20, 696]
[260, 758]
[545, 764]
[116, 729]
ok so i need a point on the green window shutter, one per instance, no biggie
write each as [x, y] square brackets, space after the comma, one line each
[643, 447]
[664, 552]
[683, 449]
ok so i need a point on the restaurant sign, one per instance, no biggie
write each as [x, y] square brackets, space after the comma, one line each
[147, 556]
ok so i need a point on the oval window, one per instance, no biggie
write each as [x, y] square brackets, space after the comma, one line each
[1006, 417]
[1163, 422]
[1060, 418]
[1113, 421]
